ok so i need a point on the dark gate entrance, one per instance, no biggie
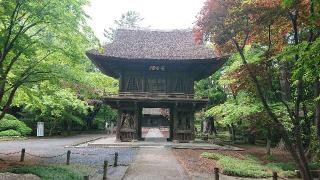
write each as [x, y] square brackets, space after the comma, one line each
[155, 123]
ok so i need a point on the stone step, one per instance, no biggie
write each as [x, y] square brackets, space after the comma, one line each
[155, 139]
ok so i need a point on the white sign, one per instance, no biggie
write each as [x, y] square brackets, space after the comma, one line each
[40, 129]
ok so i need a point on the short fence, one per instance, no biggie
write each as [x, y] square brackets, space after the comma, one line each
[106, 164]
[23, 153]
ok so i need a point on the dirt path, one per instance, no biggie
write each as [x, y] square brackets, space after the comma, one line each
[156, 163]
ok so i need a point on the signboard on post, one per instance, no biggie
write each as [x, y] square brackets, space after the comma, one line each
[40, 129]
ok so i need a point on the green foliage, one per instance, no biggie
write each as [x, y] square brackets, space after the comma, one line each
[209, 88]
[10, 132]
[53, 105]
[249, 167]
[106, 114]
[233, 111]
[48, 172]
[11, 125]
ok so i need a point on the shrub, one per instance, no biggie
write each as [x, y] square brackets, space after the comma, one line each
[10, 122]
[249, 167]
[10, 132]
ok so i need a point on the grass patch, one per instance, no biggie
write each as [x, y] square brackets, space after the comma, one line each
[249, 167]
[288, 169]
[314, 166]
[283, 169]
[60, 172]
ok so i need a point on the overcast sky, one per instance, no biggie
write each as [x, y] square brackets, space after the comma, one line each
[157, 14]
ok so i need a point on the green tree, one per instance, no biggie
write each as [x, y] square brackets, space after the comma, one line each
[289, 31]
[130, 19]
[39, 41]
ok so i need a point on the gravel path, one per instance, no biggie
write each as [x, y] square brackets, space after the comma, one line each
[38, 151]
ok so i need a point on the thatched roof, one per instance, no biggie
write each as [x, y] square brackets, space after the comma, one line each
[139, 49]
[156, 44]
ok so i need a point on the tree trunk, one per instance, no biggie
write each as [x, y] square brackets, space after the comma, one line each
[268, 147]
[297, 155]
[210, 125]
[284, 81]
[9, 102]
[213, 127]
[306, 128]
[201, 127]
[233, 133]
[92, 114]
[230, 133]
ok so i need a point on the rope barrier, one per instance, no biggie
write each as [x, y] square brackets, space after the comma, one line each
[84, 154]
[10, 153]
[47, 157]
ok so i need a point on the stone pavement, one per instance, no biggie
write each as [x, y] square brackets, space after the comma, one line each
[155, 163]
[155, 135]
[156, 142]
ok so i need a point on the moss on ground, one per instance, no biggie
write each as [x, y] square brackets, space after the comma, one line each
[59, 172]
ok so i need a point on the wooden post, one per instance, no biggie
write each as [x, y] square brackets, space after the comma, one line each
[139, 123]
[193, 134]
[85, 177]
[274, 175]
[68, 157]
[175, 121]
[171, 123]
[136, 119]
[105, 170]
[118, 122]
[216, 173]
[115, 163]
[23, 152]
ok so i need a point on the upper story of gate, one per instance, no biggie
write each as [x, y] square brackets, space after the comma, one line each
[154, 62]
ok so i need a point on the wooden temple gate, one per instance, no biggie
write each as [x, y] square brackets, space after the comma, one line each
[156, 69]
[181, 118]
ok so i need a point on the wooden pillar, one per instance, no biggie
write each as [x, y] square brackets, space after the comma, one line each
[192, 121]
[139, 122]
[143, 82]
[175, 121]
[118, 122]
[121, 89]
[171, 123]
[136, 120]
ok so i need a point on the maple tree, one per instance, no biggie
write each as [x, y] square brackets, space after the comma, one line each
[289, 32]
